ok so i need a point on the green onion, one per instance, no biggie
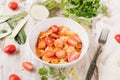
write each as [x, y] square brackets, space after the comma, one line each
[21, 36]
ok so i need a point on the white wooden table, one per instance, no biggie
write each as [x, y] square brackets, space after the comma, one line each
[108, 60]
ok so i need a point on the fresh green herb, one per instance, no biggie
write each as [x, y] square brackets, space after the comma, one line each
[65, 4]
[44, 78]
[21, 36]
[82, 8]
[43, 71]
[52, 71]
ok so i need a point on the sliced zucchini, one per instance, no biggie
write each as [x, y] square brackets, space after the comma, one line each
[39, 12]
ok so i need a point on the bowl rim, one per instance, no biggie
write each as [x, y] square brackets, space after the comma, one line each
[65, 64]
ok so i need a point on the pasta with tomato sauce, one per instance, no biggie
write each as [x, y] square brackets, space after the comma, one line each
[58, 45]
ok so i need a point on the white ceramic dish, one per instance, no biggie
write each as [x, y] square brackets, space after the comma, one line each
[45, 24]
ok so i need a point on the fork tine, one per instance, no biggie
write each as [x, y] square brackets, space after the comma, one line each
[106, 35]
[103, 36]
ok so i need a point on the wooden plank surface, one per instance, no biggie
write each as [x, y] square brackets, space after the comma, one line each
[12, 64]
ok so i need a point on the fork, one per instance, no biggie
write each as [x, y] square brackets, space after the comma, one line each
[102, 40]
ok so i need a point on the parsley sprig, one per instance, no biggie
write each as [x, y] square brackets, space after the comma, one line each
[50, 72]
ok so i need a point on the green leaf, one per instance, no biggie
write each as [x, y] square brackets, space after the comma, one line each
[21, 37]
[52, 70]
[75, 2]
[44, 78]
[65, 4]
[12, 23]
[43, 71]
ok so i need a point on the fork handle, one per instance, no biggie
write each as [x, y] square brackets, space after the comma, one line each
[93, 64]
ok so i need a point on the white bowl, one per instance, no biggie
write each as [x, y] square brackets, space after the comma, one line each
[45, 25]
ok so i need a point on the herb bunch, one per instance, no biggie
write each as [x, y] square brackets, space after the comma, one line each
[83, 8]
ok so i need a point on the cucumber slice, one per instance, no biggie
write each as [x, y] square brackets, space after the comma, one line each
[39, 12]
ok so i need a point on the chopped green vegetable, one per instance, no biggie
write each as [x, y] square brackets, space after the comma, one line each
[52, 71]
[44, 78]
[43, 71]
[21, 36]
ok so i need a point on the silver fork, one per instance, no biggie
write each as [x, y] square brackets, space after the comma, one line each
[102, 40]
